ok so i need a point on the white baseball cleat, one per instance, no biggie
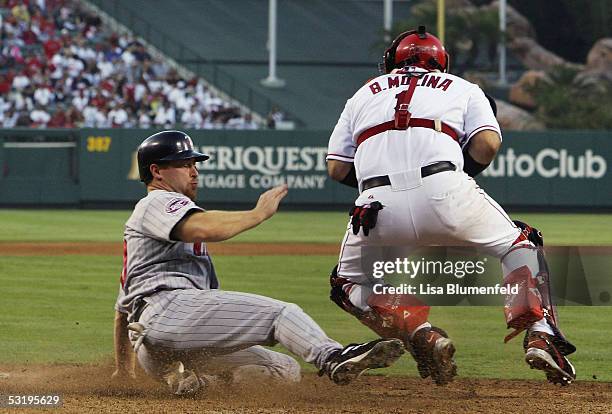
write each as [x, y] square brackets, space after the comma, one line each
[182, 381]
[347, 364]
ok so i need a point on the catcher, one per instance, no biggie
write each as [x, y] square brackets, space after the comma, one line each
[411, 140]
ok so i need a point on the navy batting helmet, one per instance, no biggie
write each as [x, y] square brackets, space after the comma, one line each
[164, 147]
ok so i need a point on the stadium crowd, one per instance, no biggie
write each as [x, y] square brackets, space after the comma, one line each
[60, 67]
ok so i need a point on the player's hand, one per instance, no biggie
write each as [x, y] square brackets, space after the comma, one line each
[268, 202]
[123, 375]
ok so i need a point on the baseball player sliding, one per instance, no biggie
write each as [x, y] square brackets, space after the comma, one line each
[170, 307]
[411, 140]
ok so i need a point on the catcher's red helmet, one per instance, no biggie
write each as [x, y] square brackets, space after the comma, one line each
[416, 48]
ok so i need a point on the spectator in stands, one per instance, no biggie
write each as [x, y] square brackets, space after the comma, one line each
[58, 119]
[102, 120]
[43, 95]
[131, 121]
[61, 88]
[4, 105]
[117, 116]
[28, 36]
[21, 13]
[274, 117]
[21, 81]
[165, 115]
[5, 85]
[23, 119]
[71, 79]
[74, 118]
[81, 100]
[90, 116]
[144, 120]
[9, 118]
[248, 122]
[21, 101]
[39, 117]
[192, 118]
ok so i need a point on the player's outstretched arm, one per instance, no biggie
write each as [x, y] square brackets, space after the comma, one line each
[124, 356]
[215, 225]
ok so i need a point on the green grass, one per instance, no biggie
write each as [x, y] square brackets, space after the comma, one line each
[310, 227]
[60, 309]
[62, 225]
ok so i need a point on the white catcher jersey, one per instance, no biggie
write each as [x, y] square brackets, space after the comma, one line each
[438, 96]
[152, 261]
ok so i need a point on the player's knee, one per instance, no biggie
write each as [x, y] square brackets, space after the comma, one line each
[290, 309]
[289, 369]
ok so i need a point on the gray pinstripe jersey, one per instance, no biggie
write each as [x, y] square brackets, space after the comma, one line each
[153, 262]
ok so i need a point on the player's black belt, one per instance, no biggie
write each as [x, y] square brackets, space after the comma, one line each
[140, 307]
[426, 171]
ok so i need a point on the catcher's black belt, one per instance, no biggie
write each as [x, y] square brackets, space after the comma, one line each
[426, 171]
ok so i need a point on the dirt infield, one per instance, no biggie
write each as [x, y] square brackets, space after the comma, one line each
[217, 249]
[87, 388]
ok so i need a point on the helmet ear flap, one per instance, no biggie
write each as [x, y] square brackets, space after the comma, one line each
[389, 56]
[389, 60]
[447, 66]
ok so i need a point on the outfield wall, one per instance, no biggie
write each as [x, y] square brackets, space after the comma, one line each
[91, 166]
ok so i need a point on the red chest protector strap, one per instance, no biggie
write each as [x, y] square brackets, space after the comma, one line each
[402, 115]
[403, 118]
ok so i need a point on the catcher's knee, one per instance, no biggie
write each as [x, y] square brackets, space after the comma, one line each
[339, 291]
[530, 233]
[390, 316]
[349, 296]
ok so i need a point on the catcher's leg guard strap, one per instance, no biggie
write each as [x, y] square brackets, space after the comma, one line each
[404, 312]
[340, 290]
[532, 306]
[390, 316]
[524, 307]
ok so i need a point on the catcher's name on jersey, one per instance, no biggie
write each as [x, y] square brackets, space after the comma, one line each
[428, 80]
[454, 101]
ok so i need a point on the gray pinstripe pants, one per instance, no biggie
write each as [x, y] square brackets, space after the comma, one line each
[216, 329]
